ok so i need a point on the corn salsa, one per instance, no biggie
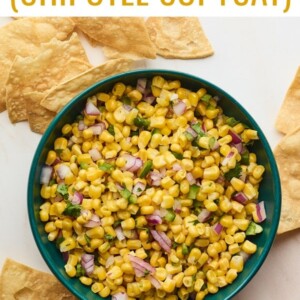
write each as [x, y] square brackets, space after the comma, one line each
[153, 192]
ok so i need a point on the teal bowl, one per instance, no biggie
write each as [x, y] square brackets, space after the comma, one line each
[270, 190]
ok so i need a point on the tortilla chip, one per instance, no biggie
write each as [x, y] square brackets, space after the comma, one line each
[127, 36]
[58, 61]
[38, 116]
[23, 37]
[60, 95]
[178, 37]
[21, 282]
[288, 161]
[288, 117]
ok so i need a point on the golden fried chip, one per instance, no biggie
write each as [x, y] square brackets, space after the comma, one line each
[23, 37]
[288, 160]
[178, 37]
[38, 116]
[60, 95]
[57, 62]
[289, 115]
[21, 282]
[127, 36]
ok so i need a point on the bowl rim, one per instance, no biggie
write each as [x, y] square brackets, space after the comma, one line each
[273, 166]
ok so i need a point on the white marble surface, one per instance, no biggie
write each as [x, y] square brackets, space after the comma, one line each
[255, 61]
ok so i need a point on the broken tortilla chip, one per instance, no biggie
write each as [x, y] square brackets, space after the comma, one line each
[60, 95]
[38, 116]
[23, 37]
[288, 117]
[127, 37]
[179, 37]
[21, 282]
[288, 161]
[57, 62]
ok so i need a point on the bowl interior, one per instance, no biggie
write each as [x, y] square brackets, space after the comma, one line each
[269, 189]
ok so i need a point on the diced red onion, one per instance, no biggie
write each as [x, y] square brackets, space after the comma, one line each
[138, 188]
[149, 99]
[221, 179]
[93, 222]
[91, 109]
[119, 233]
[177, 206]
[95, 154]
[162, 239]
[119, 296]
[261, 211]
[190, 178]
[77, 198]
[154, 281]
[160, 212]
[217, 228]
[176, 167]
[179, 108]
[204, 215]
[132, 163]
[98, 128]
[63, 171]
[155, 178]
[127, 107]
[87, 262]
[240, 197]
[203, 126]
[46, 175]
[139, 272]
[236, 139]
[154, 219]
[65, 256]
[192, 132]
[215, 146]
[110, 261]
[81, 125]
[227, 158]
[141, 264]
[239, 147]
[141, 85]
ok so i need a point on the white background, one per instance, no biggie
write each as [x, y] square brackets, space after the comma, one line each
[255, 61]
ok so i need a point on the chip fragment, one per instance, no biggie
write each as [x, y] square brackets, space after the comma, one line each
[23, 37]
[179, 37]
[288, 161]
[38, 116]
[61, 94]
[21, 282]
[122, 37]
[288, 118]
[56, 62]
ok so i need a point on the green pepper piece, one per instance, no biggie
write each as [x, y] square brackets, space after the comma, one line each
[106, 167]
[170, 216]
[205, 98]
[177, 155]
[185, 249]
[111, 129]
[141, 123]
[232, 121]
[146, 169]
[245, 160]
[188, 136]
[253, 229]
[125, 193]
[193, 191]
[155, 131]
